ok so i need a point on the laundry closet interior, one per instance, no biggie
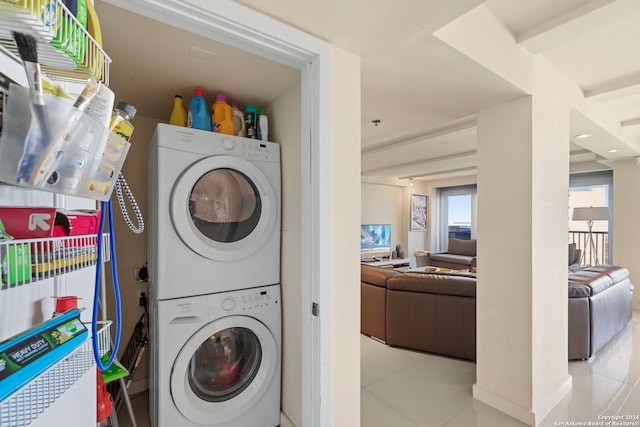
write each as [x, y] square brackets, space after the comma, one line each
[153, 61]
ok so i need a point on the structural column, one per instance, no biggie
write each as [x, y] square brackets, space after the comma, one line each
[523, 178]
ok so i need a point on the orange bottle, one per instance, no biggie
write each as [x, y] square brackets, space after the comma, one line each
[222, 116]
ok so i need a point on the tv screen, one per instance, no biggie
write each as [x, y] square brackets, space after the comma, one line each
[375, 241]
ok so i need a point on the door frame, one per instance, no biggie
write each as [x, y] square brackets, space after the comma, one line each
[238, 26]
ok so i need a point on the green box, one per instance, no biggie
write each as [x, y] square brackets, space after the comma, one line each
[16, 264]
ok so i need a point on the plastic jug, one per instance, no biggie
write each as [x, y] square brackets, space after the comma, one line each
[238, 121]
[198, 117]
[250, 118]
[179, 113]
[222, 116]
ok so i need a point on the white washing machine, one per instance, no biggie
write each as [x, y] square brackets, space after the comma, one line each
[214, 212]
[216, 360]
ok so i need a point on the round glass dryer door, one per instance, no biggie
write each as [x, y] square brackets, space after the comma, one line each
[223, 208]
[223, 369]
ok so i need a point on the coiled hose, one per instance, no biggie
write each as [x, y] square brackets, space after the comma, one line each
[106, 208]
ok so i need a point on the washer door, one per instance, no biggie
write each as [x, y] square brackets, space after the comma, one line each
[223, 370]
[223, 208]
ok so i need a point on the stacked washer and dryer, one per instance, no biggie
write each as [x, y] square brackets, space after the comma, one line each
[214, 262]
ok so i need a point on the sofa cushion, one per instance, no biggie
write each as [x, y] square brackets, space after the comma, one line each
[453, 258]
[572, 253]
[578, 290]
[445, 284]
[595, 281]
[462, 247]
[616, 273]
[376, 275]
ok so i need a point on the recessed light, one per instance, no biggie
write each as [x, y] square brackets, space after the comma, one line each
[613, 150]
[583, 136]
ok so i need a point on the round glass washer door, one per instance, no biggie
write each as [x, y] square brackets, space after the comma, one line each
[223, 369]
[223, 208]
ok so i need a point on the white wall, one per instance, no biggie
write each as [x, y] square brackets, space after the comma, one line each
[626, 210]
[284, 127]
[345, 257]
[390, 204]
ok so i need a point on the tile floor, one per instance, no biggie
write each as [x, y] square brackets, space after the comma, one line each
[402, 388]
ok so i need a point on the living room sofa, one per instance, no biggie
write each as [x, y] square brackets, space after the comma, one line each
[436, 312]
[460, 254]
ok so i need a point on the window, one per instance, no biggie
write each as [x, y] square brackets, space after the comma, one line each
[585, 190]
[455, 214]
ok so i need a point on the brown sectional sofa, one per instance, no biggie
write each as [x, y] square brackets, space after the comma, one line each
[460, 254]
[436, 313]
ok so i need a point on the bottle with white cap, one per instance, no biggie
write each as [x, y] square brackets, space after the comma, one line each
[263, 125]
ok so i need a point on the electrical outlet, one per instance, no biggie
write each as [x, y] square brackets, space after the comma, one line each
[136, 276]
[142, 298]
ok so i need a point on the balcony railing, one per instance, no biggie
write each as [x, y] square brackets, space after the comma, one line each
[601, 246]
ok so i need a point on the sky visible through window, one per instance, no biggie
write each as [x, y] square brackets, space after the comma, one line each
[459, 209]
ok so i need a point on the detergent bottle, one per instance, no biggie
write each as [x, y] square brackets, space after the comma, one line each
[238, 121]
[250, 118]
[198, 117]
[179, 113]
[222, 117]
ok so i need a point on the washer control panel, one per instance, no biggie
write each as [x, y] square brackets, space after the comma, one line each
[246, 300]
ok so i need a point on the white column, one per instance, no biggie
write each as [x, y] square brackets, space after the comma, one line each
[626, 210]
[523, 176]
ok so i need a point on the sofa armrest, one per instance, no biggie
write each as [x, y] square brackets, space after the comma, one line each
[423, 258]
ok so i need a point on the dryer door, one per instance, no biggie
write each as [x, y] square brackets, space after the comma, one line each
[223, 208]
[223, 369]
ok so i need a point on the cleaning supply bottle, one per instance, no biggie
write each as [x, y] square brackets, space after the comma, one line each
[121, 120]
[263, 125]
[222, 117]
[179, 112]
[238, 121]
[250, 117]
[198, 117]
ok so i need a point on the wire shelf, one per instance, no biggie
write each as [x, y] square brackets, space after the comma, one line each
[29, 260]
[65, 49]
[23, 407]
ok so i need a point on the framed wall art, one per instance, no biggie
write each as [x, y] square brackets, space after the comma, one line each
[419, 218]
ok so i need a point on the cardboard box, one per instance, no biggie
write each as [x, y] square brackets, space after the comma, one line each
[16, 264]
[28, 222]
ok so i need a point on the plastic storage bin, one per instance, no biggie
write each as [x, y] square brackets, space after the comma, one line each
[88, 157]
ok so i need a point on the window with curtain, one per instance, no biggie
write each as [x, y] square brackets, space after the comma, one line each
[454, 215]
[587, 190]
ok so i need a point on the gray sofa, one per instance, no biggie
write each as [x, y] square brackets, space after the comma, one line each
[600, 306]
[436, 313]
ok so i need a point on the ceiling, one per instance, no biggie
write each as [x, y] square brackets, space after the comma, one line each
[425, 73]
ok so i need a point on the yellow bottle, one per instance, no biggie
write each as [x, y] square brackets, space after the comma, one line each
[179, 112]
[222, 116]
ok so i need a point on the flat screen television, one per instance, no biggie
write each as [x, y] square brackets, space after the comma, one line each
[375, 241]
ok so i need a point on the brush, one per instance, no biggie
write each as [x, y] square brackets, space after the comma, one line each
[28, 51]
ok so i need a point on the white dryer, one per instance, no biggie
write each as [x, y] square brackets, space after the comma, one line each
[216, 360]
[214, 212]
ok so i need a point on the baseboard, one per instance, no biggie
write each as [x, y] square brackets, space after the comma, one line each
[528, 416]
